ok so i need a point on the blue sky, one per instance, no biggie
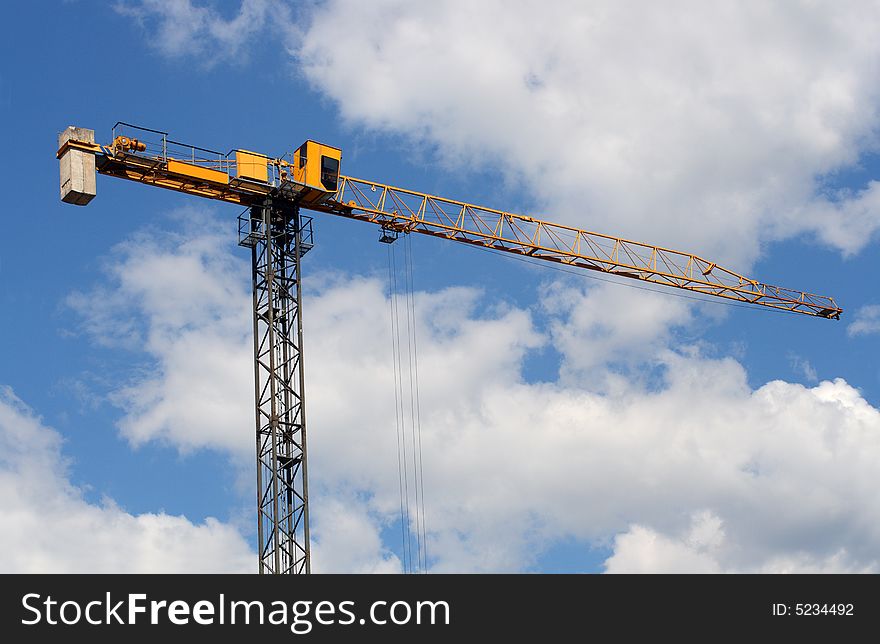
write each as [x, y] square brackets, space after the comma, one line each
[570, 425]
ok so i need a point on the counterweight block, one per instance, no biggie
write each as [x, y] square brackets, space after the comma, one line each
[77, 167]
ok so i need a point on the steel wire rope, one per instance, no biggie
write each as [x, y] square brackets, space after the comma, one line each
[415, 409]
[398, 421]
[538, 263]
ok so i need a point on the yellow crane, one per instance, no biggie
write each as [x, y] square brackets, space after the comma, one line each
[273, 190]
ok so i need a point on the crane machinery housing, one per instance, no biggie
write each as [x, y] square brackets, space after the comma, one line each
[273, 191]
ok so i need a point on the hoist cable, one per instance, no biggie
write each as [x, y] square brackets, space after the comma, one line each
[415, 409]
[404, 499]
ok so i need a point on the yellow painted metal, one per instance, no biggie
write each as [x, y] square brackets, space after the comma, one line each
[251, 165]
[410, 211]
[125, 144]
[316, 166]
[153, 172]
[85, 146]
[197, 172]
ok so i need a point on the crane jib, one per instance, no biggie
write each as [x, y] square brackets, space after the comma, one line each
[249, 177]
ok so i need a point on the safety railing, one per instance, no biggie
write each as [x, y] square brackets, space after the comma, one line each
[158, 146]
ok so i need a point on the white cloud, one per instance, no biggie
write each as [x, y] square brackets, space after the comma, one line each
[47, 525]
[593, 327]
[786, 474]
[802, 367]
[183, 298]
[701, 549]
[846, 219]
[867, 320]
[779, 466]
[706, 127]
[178, 27]
[348, 539]
[641, 550]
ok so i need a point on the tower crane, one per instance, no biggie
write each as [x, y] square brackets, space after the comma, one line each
[273, 192]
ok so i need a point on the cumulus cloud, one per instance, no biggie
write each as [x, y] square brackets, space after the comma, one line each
[47, 525]
[782, 475]
[802, 367]
[184, 299]
[348, 538]
[541, 463]
[178, 27]
[867, 321]
[846, 219]
[595, 326]
[706, 127]
[643, 550]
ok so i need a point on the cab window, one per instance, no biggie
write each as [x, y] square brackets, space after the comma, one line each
[329, 173]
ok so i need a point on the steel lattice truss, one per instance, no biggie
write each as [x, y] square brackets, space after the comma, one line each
[277, 243]
[405, 211]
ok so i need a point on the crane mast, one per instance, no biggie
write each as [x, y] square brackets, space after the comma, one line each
[273, 191]
[278, 238]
